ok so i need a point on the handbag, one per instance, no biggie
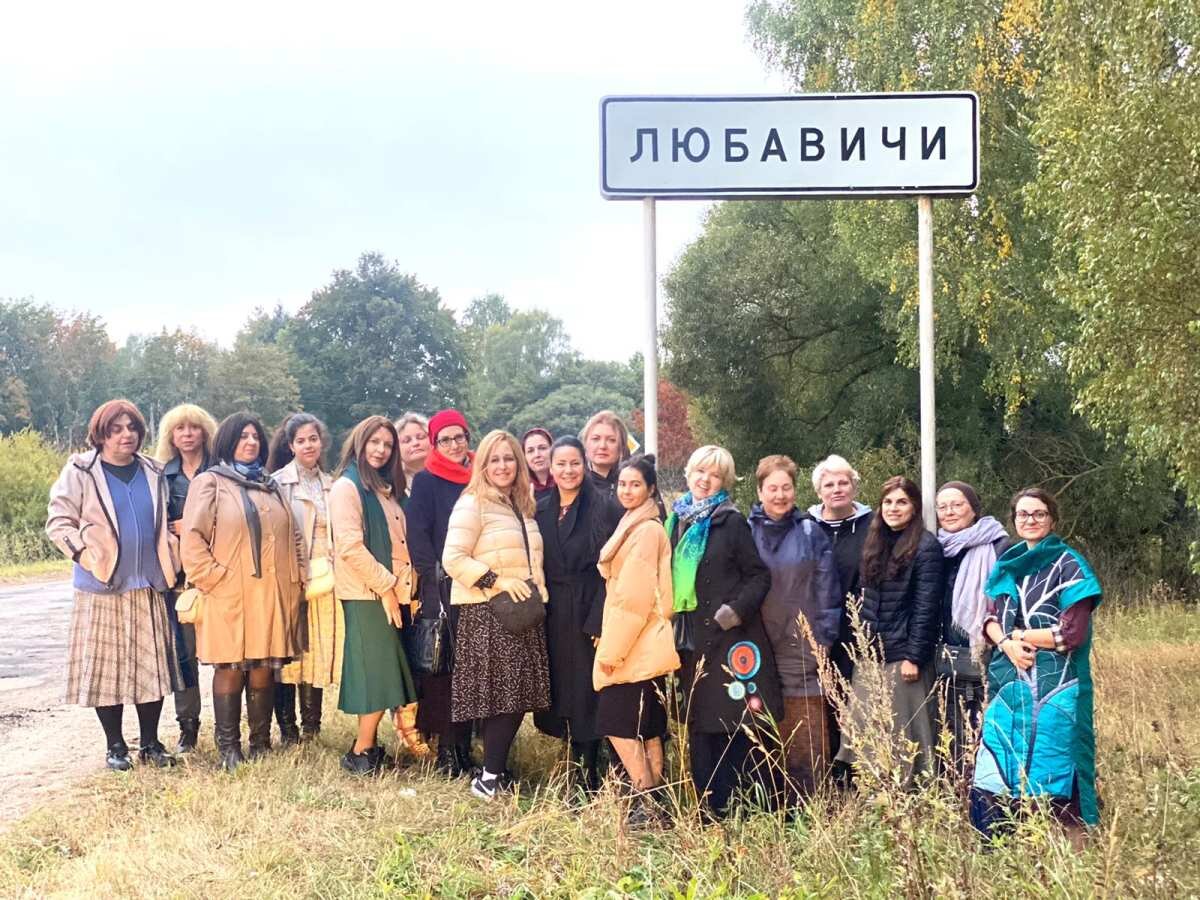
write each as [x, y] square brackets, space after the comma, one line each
[189, 606]
[320, 578]
[956, 663]
[520, 616]
[685, 632]
[429, 646]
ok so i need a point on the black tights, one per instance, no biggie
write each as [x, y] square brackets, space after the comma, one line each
[498, 734]
[148, 714]
[231, 681]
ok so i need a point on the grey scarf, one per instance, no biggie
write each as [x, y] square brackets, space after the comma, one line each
[969, 604]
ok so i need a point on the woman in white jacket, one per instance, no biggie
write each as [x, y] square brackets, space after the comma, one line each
[493, 546]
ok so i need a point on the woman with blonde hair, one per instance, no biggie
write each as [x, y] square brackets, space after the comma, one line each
[374, 581]
[606, 440]
[412, 429]
[493, 553]
[185, 436]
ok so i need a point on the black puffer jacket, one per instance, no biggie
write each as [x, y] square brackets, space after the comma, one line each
[903, 613]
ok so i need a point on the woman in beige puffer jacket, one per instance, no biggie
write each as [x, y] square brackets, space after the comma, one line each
[637, 643]
[498, 676]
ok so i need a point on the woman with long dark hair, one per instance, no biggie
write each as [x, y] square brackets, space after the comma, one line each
[373, 582]
[295, 463]
[902, 582]
[637, 645]
[571, 518]
[242, 548]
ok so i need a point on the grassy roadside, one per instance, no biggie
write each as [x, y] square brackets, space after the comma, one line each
[294, 825]
[15, 573]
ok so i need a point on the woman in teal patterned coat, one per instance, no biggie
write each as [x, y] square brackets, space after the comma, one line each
[1037, 738]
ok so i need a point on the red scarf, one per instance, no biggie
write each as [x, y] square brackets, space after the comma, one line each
[444, 467]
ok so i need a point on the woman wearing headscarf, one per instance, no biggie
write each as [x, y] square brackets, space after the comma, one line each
[971, 543]
[536, 444]
[728, 672]
[242, 548]
[435, 490]
[108, 514]
[295, 464]
[570, 517]
[1037, 738]
[373, 582]
[185, 436]
[902, 581]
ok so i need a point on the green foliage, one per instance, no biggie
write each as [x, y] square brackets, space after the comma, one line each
[1118, 129]
[28, 466]
[374, 341]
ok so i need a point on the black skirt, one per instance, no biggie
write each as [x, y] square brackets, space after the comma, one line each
[633, 710]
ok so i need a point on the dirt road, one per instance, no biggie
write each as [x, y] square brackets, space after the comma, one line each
[45, 745]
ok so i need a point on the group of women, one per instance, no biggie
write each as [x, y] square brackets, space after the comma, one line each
[456, 591]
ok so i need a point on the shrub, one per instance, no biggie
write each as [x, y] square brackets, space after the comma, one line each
[28, 466]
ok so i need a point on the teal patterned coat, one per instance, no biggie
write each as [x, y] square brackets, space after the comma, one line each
[1037, 737]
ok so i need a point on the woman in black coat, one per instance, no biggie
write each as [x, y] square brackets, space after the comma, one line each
[902, 585]
[572, 517]
[719, 585]
[434, 492]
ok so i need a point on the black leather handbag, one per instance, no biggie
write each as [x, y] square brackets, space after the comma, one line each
[520, 616]
[956, 663]
[429, 642]
[685, 632]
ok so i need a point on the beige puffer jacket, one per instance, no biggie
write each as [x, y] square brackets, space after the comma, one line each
[485, 534]
[636, 636]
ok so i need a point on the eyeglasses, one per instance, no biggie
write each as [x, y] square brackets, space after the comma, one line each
[957, 506]
[1038, 515]
[451, 440]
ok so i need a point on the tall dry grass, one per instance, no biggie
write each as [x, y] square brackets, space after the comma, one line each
[295, 825]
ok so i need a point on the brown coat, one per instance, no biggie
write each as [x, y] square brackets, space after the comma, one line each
[82, 520]
[245, 616]
[303, 509]
[636, 636]
[357, 574]
[485, 534]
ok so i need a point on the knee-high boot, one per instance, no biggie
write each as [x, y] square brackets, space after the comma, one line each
[310, 710]
[227, 729]
[259, 704]
[285, 714]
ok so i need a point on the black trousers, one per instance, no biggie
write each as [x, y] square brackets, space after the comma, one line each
[725, 763]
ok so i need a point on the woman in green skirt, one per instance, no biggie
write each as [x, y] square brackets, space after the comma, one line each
[373, 581]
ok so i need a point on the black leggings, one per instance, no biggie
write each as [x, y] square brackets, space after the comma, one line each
[498, 734]
[148, 715]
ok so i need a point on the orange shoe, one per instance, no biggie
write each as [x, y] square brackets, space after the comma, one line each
[405, 720]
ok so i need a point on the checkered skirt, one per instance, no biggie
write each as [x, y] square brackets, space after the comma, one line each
[122, 649]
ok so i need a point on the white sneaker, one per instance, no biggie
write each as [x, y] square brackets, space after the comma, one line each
[484, 790]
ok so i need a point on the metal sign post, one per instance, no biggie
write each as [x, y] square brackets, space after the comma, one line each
[650, 368]
[848, 146]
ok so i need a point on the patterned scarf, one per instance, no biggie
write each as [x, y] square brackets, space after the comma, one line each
[251, 471]
[696, 517]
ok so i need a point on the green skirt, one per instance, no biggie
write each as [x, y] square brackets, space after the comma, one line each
[375, 673]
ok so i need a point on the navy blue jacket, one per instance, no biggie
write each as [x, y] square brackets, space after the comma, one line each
[427, 517]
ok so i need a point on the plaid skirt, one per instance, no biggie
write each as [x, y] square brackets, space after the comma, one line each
[496, 672]
[122, 649]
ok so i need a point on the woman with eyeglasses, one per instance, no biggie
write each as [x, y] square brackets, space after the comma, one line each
[970, 544]
[435, 490]
[1037, 738]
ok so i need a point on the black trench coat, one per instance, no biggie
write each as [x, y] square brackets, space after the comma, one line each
[574, 608]
[731, 572]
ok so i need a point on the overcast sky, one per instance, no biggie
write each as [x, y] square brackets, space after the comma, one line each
[167, 165]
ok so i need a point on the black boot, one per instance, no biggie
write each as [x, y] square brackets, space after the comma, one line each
[462, 756]
[310, 711]
[259, 703]
[585, 765]
[227, 729]
[117, 757]
[189, 734]
[285, 715]
[447, 762]
[155, 754]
